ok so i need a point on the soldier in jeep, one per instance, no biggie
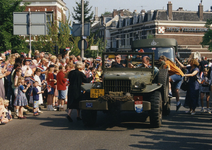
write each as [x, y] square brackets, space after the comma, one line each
[117, 63]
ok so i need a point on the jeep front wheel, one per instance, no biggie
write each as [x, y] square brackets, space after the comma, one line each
[89, 117]
[156, 109]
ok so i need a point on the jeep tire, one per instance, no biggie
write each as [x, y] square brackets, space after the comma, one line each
[89, 117]
[163, 78]
[156, 109]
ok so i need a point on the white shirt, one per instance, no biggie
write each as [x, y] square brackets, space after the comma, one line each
[26, 70]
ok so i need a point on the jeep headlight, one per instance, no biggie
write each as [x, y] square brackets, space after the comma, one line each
[137, 85]
[143, 85]
[97, 85]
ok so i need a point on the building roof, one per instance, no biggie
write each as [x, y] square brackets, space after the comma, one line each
[59, 1]
[125, 13]
[161, 15]
[182, 15]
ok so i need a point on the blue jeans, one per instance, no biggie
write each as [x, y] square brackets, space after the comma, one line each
[62, 94]
[177, 80]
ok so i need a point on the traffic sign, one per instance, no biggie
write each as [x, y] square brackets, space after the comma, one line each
[95, 48]
[23, 21]
[80, 44]
[77, 29]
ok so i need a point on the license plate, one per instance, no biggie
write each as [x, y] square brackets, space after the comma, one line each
[89, 105]
[95, 93]
[139, 106]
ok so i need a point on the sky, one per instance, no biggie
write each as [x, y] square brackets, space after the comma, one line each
[109, 5]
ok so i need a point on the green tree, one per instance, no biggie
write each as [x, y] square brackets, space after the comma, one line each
[95, 41]
[106, 13]
[207, 38]
[77, 12]
[58, 35]
[7, 39]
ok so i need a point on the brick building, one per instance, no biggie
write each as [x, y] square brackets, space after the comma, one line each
[187, 27]
[55, 9]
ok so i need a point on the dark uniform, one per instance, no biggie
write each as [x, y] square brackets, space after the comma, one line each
[116, 65]
[76, 78]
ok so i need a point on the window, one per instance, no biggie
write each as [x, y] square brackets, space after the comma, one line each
[113, 42]
[122, 40]
[49, 21]
[126, 22]
[127, 39]
[150, 14]
[120, 23]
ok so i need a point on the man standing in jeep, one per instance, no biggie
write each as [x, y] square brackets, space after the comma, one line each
[117, 63]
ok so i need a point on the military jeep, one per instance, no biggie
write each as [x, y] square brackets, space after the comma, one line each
[133, 87]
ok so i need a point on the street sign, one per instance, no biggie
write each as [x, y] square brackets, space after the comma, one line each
[77, 29]
[21, 23]
[95, 48]
[80, 44]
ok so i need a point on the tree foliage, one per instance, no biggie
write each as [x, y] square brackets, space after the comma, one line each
[95, 41]
[207, 38]
[77, 12]
[7, 39]
[58, 36]
[106, 13]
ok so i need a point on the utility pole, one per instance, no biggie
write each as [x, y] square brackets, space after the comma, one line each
[82, 35]
[30, 44]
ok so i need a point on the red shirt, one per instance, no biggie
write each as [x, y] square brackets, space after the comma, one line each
[61, 81]
[50, 76]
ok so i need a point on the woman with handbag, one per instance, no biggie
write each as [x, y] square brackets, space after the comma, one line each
[192, 94]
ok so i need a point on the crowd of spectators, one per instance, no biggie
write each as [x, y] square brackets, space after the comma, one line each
[42, 79]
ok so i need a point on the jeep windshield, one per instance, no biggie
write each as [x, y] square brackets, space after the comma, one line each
[169, 52]
[128, 60]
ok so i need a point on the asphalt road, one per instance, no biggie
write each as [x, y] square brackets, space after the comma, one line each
[51, 130]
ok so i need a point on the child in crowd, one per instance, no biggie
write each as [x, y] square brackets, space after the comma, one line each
[55, 98]
[2, 111]
[205, 89]
[37, 78]
[7, 112]
[50, 87]
[36, 98]
[21, 99]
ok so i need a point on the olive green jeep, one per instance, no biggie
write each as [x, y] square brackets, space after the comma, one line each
[133, 87]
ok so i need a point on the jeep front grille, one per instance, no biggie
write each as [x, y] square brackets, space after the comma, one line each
[117, 86]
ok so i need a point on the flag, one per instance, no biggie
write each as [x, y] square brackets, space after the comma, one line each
[41, 68]
[32, 79]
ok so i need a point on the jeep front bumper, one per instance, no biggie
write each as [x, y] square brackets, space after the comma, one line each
[103, 105]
